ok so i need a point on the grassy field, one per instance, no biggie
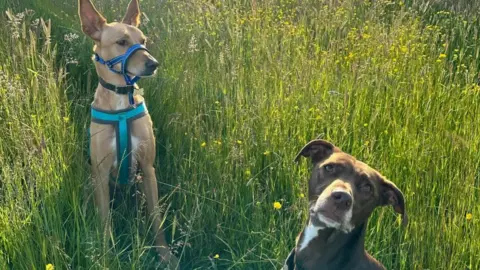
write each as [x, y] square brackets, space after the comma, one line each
[242, 86]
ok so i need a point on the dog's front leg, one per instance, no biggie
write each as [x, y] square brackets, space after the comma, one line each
[151, 193]
[100, 177]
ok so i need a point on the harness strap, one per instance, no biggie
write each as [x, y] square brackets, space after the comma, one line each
[121, 121]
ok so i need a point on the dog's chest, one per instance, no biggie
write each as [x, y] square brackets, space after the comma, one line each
[309, 234]
[122, 103]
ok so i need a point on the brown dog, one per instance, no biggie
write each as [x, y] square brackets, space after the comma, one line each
[343, 192]
[114, 96]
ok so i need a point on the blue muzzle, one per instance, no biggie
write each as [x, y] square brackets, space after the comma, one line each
[122, 59]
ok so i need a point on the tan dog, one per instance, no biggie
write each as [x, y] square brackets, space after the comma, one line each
[112, 40]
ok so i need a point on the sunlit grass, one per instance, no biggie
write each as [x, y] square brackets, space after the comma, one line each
[241, 87]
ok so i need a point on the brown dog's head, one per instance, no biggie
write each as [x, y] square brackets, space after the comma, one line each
[343, 192]
[114, 39]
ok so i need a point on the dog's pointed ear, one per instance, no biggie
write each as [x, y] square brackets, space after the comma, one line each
[390, 194]
[92, 21]
[316, 150]
[132, 16]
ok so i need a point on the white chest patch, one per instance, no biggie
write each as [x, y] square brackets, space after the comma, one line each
[135, 143]
[113, 145]
[309, 234]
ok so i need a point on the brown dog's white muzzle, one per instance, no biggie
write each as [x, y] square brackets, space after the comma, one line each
[334, 205]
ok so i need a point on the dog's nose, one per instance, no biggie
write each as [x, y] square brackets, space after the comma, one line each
[342, 199]
[151, 64]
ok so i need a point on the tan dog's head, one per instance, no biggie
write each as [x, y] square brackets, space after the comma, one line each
[114, 39]
[343, 192]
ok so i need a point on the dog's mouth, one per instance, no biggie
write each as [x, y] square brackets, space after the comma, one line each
[326, 218]
[331, 219]
[145, 73]
[148, 73]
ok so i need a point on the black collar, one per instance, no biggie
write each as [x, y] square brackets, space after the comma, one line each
[122, 90]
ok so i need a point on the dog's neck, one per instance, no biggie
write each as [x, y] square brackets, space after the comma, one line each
[109, 76]
[330, 247]
[106, 99]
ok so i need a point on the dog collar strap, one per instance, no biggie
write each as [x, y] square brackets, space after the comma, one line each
[122, 59]
[122, 90]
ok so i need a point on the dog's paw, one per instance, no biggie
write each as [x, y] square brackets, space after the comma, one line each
[167, 258]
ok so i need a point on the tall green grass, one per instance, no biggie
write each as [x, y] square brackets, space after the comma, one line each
[241, 87]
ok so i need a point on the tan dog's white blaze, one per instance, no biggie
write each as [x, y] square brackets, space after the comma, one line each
[111, 40]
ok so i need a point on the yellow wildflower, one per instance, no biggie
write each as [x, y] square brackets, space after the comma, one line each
[266, 153]
[442, 55]
[350, 56]
[469, 216]
[248, 173]
[216, 256]
[239, 142]
[277, 205]
[49, 267]
[203, 144]
[302, 195]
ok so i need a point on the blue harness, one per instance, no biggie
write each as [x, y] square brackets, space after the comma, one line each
[121, 119]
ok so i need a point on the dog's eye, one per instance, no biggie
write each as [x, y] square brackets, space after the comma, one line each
[366, 188]
[329, 168]
[122, 42]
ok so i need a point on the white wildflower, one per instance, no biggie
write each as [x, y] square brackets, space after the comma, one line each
[192, 45]
[70, 37]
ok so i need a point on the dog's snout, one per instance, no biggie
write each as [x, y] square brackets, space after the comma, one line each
[343, 200]
[151, 64]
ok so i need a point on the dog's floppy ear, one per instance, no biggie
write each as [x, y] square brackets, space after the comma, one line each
[390, 194]
[316, 150]
[92, 21]
[133, 14]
